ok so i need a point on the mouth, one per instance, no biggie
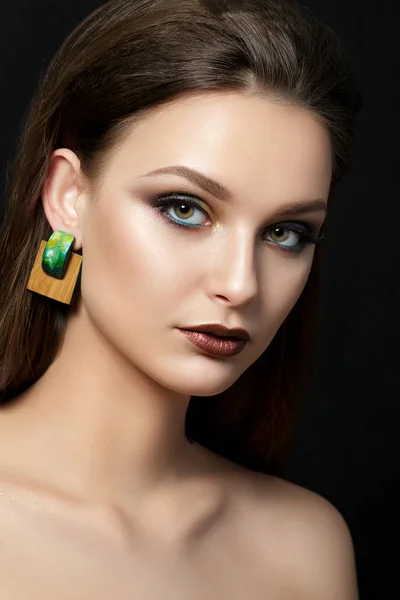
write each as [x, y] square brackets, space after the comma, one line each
[213, 345]
[220, 331]
[214, 335]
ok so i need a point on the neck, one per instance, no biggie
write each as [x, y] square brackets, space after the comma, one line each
[99, 424]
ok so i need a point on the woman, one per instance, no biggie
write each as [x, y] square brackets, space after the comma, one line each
[174, 171]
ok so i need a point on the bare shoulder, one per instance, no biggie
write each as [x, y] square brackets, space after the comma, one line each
[288, 534]
[310, 536]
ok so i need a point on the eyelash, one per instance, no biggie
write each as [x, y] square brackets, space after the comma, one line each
[162, 201]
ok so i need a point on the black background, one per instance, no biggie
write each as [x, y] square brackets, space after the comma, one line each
[347, 443]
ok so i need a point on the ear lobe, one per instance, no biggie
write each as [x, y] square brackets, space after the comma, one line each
[60, 194]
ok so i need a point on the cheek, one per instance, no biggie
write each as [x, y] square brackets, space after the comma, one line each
[284, 285]
[129, 271]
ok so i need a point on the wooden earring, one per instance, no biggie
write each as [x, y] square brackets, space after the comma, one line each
[56, 269]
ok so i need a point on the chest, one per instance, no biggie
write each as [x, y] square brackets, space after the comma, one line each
[43, 559]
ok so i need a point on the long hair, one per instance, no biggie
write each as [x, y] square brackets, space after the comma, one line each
[123, 60]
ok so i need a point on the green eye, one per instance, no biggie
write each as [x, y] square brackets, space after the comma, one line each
[297, 234]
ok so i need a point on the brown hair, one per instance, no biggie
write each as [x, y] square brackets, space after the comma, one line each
[123, 60]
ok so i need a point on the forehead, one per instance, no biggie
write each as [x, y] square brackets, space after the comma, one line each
[244, 140]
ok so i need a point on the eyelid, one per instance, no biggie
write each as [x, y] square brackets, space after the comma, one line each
[172, 196]
[203, 204]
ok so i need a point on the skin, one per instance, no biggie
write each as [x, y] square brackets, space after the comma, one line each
[95, 467]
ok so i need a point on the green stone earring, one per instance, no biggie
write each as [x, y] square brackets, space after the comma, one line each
[56, 254]
[56, 268]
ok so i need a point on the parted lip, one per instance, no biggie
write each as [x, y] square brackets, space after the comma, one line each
[220, 330]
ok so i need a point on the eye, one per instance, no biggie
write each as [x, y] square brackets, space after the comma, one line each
[180, 210]
[289, 235]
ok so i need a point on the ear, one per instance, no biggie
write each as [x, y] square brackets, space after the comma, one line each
[63, 195]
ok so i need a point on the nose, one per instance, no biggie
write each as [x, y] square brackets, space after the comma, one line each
[233, 270]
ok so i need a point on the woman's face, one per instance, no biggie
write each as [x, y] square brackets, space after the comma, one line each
[144, 276]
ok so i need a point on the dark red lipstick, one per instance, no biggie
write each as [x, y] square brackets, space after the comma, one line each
[216, 339]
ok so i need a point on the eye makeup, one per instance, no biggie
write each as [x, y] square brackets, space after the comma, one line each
[300, 231]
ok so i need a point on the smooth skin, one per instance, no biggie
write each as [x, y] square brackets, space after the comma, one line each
[102, 496]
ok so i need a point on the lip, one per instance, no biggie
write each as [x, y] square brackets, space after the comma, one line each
[220, 330]
[213, 345]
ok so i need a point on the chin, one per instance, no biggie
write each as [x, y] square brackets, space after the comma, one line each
[189, 380]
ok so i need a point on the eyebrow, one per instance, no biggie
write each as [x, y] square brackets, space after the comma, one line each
[222, 193]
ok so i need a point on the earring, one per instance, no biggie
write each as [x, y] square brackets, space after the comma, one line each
[56, 269]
